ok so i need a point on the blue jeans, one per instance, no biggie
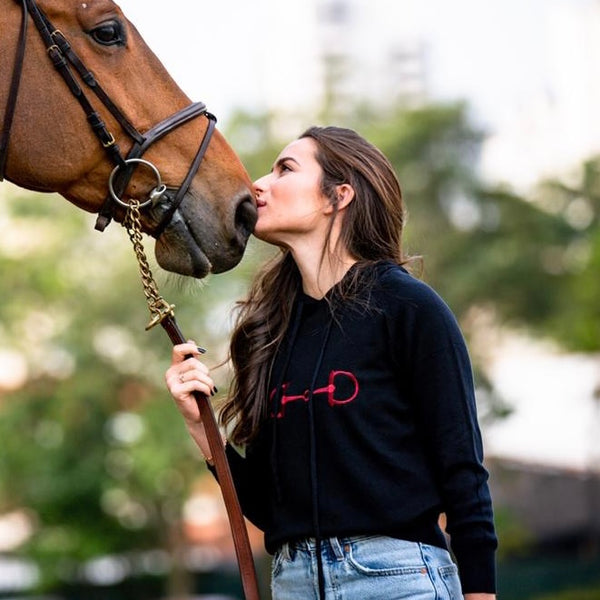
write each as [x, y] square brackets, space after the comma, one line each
[365, 568]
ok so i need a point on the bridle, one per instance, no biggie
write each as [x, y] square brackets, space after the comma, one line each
[162, 199]
[66, 61]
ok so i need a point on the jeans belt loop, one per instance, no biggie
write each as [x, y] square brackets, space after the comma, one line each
[285, 551]
[337, 547]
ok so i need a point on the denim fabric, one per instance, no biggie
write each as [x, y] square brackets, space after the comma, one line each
[365, 568]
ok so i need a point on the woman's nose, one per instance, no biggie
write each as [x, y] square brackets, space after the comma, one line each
[261, 183]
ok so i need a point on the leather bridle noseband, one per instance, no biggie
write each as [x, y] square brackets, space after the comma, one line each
[65, 60]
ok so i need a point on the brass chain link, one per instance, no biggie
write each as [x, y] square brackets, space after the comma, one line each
[159, 308]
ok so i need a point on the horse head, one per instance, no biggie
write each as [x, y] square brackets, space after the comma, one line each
[53, 148]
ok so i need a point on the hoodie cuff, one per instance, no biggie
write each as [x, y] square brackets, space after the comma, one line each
[477, 570]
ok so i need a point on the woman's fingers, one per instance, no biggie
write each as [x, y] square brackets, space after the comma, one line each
[182, 351]
[186, 376]
[179, 377]
[193, 381]
[184, 395]
[196, 371]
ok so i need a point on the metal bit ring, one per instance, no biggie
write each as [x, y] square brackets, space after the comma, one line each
[154, 195]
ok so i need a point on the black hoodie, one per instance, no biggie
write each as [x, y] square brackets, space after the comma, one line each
[373, 428]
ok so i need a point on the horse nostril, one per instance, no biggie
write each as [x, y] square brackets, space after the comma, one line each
[245, 217]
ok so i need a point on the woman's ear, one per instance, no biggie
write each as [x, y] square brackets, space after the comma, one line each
[344, 194]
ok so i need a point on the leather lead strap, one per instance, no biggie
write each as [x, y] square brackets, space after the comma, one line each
[232, 505]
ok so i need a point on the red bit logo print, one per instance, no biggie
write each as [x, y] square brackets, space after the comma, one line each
[342, 388]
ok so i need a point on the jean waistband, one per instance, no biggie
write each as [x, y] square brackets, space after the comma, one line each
[338, 546]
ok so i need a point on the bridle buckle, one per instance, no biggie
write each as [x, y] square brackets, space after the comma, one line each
[110, 142]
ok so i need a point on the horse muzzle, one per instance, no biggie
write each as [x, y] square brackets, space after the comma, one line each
[200, 238]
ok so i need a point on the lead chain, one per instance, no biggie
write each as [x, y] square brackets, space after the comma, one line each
[159, 308]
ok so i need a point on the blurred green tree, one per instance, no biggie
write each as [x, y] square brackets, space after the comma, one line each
[574, 260]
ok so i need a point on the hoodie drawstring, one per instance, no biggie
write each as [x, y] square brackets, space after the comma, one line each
[314, 480]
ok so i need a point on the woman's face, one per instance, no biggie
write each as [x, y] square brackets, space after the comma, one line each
[290, 204]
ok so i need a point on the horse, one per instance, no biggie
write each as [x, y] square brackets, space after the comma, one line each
[189, 191]
[81, 128]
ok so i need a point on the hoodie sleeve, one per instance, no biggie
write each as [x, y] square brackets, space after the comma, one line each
[435, 355]
[251, 481]
[447, 415]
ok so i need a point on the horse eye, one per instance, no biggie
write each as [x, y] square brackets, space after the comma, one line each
[109, 33]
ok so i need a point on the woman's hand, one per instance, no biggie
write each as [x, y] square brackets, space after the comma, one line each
[185, 376]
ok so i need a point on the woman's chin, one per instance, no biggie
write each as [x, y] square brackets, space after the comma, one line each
[263, 234]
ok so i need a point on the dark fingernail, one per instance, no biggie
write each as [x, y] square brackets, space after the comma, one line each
[212, 392]
[201, 349]
[215, 389]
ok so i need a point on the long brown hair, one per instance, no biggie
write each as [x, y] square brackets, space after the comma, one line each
[371, 230]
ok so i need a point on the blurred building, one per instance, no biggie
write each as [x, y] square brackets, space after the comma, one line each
[367, 54]
[557, 509]
[550, 523]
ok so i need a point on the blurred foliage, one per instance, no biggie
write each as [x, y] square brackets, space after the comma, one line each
[93, 450]
[575, 260]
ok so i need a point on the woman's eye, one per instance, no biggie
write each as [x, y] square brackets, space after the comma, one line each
[109, 33]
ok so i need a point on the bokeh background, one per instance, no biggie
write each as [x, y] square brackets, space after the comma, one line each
[487, 109]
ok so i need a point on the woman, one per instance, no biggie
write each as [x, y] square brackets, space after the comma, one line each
[352, 394]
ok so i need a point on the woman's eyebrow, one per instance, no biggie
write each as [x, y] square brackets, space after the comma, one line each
[282, 160]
